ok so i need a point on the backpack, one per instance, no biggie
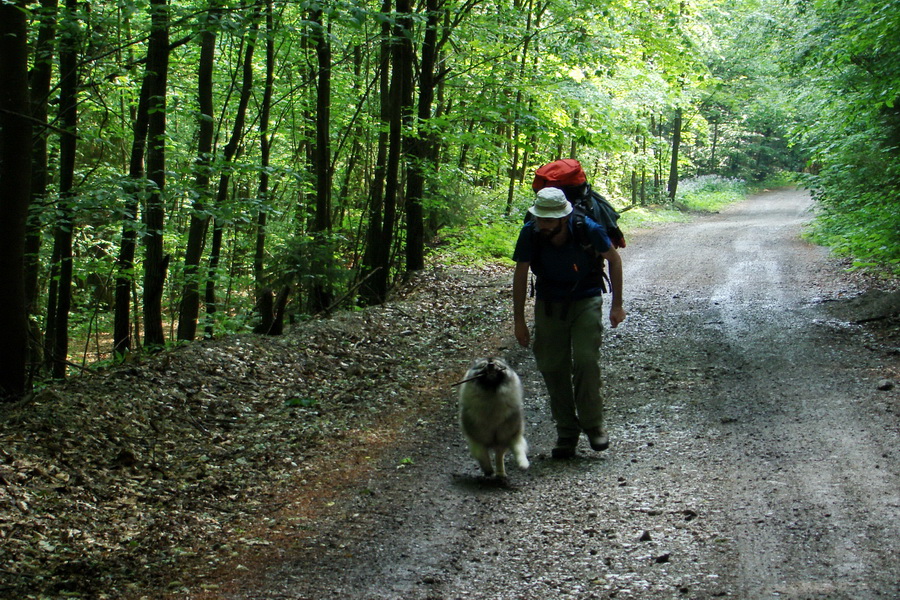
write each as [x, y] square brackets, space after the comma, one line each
[567, 175]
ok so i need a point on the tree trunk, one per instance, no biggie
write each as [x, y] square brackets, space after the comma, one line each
[155, 263]
[40, 82]
[15, 194]
[711, 167]
[400, 102]
[60, 302]
[655, 130]
[643, 171]
[271, 311]
[423, 145]
[573, 151]
[356, 134]
[122, 340]
[374, 278]
[229, 152]
[634, 187]
[676, 144]
[514, 166]
[190, 298]
[264, 151]
[322, 295]
[394, 60]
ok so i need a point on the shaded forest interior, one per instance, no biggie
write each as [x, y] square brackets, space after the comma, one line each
[175, 169]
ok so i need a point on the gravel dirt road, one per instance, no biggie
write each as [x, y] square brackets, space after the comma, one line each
[752, 454]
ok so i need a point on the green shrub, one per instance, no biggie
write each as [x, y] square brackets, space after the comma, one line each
[869, 232]
[710, 193]
[478, 242]
[641, 216]
[482, 231]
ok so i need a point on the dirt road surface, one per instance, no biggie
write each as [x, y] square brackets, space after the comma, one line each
[753, 454]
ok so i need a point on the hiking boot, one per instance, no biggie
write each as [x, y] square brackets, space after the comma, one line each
[565, 447]
[598, 438]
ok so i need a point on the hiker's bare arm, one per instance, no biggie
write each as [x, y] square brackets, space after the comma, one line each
[520, 288]
[617, 312]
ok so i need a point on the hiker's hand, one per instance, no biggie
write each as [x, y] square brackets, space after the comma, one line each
[523, 336]
[616, 316]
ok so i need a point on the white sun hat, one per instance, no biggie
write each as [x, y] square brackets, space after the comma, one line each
[550, 203]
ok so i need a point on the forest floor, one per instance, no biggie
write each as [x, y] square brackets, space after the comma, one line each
[754, 414]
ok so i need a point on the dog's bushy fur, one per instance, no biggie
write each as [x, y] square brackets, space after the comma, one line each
[491, 414]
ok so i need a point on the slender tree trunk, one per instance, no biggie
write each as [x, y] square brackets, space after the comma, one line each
[634, 187]
[355, 134]
[122, 341]
[271, 311]
[711, 167]
[40, 81]
[423, 144]
[265, 152]
[15, 194]
[514, 166]
[375, 278]
[656, 128]
[322, 294]
[215, 254]
[122, 330]
[400, 101]
[155, 262]
[676, 144]
[58, 309]
[643, 170]
[229, 152]
[462, 161]
[511, 187]
[190, 299]
[573, 151]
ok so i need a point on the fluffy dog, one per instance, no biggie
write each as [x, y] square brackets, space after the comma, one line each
[491, 414]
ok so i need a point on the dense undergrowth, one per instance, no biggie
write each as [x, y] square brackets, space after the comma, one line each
[865, 228]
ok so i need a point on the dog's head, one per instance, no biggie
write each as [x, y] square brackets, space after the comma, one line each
[488, 372]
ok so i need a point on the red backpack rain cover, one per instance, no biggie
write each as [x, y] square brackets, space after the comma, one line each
[567, 173]
[560, 173]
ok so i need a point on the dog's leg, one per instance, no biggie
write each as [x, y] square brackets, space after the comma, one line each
[520, 450]
[499, 454]
[483, 456]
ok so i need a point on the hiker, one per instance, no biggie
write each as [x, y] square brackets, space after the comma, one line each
[568, 315]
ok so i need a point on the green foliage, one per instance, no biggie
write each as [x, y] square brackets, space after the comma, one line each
[481, 231]
[863, 224]
[764, 87]
[750, 106]
[482, 241]
[777, 180]
[844, 55]
[710, 193]
[304, 402]
[641, 217]
[868, 233]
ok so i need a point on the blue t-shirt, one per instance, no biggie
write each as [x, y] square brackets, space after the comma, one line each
[566, 272]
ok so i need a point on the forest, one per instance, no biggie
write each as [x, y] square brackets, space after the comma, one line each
[174, 170]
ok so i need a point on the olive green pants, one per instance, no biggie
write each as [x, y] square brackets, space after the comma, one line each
[567, 339]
